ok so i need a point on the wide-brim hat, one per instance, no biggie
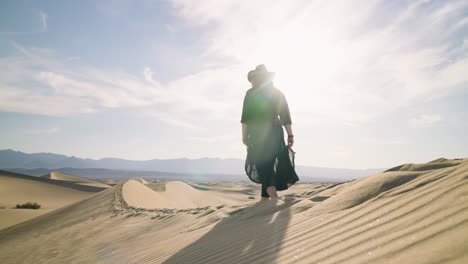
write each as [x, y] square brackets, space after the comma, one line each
[260, 72]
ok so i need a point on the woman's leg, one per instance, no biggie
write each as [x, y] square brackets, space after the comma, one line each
[271, 185]
[266, 171]
[264, 195]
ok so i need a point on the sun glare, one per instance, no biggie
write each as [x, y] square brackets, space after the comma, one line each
[304, 62]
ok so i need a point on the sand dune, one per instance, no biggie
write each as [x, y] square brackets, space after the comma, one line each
[177, 195]
[50, 194]
[60, 176]
[414, 213]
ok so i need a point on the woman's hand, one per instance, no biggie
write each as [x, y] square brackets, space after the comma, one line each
[290, 135]
[290, 141]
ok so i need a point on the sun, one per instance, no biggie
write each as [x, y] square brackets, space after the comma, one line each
[305, 62]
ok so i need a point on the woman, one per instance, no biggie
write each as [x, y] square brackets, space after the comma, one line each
[265, 110]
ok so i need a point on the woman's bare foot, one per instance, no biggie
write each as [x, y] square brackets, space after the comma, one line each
[264, 198]
[271, 190]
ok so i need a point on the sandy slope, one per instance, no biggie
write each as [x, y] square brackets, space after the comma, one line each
[50, 194]
[176, 194]
[60, 176]
[409, 214]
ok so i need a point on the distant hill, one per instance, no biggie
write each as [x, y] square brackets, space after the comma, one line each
[180, 169]
[104, 174]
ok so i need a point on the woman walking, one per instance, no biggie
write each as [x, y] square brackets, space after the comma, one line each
[265, 111]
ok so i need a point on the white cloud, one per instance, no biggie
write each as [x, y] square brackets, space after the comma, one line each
[424, 121]
[43, 18]
[37, 81]
[41, 82]
[148, 73]
[341, 60]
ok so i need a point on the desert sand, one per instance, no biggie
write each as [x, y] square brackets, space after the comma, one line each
[51, 193]
[414, 213]
[60, 176]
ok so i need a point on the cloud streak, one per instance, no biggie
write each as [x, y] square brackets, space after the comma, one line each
[43, 18]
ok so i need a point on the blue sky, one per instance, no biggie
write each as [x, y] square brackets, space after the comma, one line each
[370, 84]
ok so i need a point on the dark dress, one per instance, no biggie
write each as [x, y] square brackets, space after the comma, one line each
[269, 161]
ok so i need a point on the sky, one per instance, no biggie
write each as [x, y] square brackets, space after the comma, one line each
[369, 83]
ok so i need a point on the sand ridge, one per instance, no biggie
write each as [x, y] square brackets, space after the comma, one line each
[60, 176]
[51, 194]
[397, 216]
[177, 195]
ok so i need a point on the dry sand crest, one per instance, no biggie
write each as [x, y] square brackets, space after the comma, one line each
[414, 213]
[51, 191]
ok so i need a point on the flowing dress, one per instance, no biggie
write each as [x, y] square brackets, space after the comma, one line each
[269, 161]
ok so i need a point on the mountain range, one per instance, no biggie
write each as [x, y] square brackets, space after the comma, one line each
[180, 169]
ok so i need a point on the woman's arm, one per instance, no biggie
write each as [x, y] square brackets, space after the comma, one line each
[244, 133]
[285, 117]
[290, 135]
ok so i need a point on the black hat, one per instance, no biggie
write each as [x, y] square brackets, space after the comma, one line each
[260, 72]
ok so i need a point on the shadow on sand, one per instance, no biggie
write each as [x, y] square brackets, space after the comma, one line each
[252, 235]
